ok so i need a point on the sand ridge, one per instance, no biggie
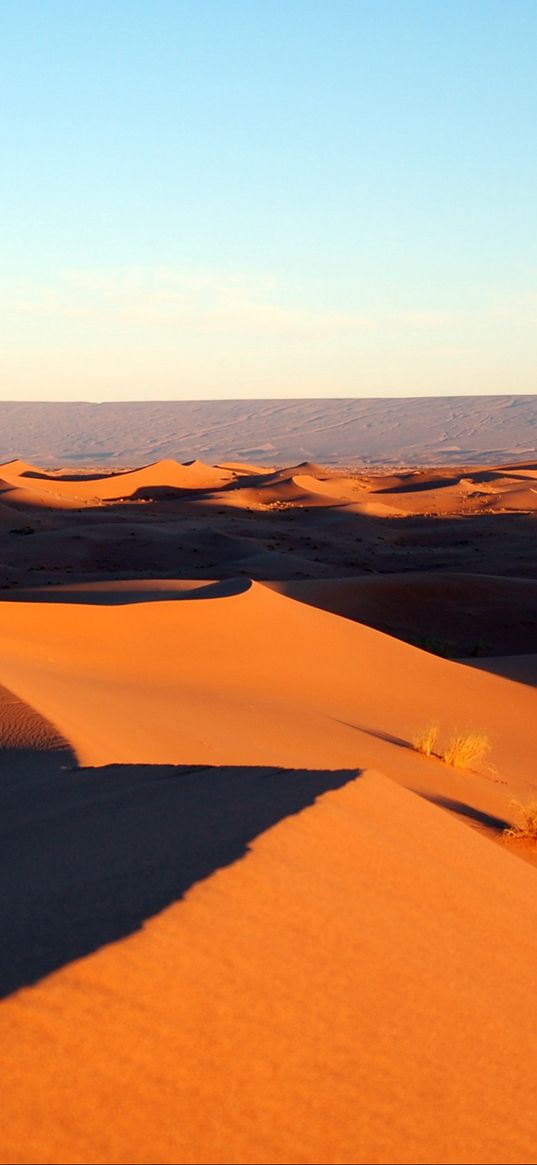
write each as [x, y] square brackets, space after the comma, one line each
[133, 683]
[91, 488]
[172, 521]
[245, 920]
[414, 492]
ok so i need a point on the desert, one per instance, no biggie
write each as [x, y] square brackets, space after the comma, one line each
[380, 430]
[268, 583]
[246, 917]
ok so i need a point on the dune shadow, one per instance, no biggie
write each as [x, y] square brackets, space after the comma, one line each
[166, 493]
[522, 668]
[123, 592]
[468, 811]
[388, 737]
[419, 486]
[43, 475]
[88, 855]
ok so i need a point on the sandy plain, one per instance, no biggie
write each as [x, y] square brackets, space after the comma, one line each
[244, 920]
[434, 430]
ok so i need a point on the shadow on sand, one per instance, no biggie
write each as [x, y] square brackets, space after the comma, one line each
[469, 812]
[88, 855]
[120, 593]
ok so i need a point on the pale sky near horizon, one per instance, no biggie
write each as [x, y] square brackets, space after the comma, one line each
[226, 198]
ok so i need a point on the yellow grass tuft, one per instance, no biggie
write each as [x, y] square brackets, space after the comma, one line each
[466, 749]
[462, 751]
[425, 740]
[526, 830]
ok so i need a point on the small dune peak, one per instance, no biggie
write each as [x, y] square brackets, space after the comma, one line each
[165, 463]
[311, 467]
[16, 467]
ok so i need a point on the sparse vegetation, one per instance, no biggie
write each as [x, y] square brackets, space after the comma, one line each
[466, 749]
[526, 828]
[425, 741]
[462, 751]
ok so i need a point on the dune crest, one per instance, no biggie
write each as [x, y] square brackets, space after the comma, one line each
[124, 485]
[413, 492]
[133, 683]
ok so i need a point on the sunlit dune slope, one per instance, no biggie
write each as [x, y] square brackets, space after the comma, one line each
[80, 488]
[17, 468]
[251, 678]
[288, 491]
[517, 499]
[384, 494]
[359, 988]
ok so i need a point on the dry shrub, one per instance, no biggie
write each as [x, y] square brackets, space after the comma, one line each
[425, 740]
[466, 749]
[526, 830]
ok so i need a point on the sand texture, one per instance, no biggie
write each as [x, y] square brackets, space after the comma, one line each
[243, 919]
[394, 431]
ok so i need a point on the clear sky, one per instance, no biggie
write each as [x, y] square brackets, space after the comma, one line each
[206, 198]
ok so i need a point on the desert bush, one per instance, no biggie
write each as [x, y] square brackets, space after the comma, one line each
[465, 749]
[425, 740]
[526, 829]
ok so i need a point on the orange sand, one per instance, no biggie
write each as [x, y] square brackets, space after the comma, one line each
[352, 980]
[358, 989]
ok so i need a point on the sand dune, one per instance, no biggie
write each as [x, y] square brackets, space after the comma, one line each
[244, 920]
[23, 729]
[8, 516]
[182, 524]
[16, 468]
[451, 614]
[130, 591]
[162, 475]
[288, 526]
[306, 468]
[298, 491]
[133, 683]
[413, 493]
[453, 491]
[342, 488]
[517, 499]
[522, 668]
[341, 960]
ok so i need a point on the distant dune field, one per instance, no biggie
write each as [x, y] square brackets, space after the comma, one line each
[443, 558]
[394, 431]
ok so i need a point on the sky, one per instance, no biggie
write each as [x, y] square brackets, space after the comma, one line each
[267, 198]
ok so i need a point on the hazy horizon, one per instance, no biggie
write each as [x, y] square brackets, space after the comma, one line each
[429, 430]
[287, 397]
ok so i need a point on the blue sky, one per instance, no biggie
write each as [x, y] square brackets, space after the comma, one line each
[236, 198]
